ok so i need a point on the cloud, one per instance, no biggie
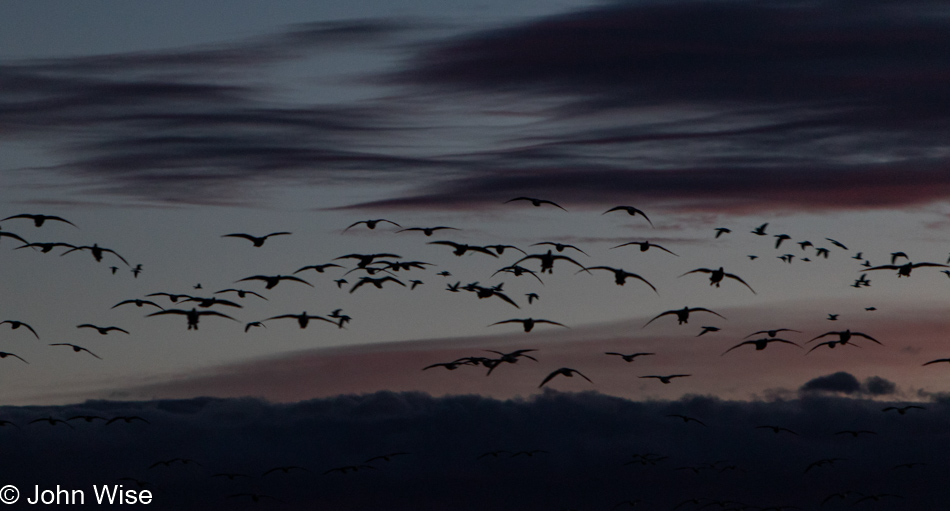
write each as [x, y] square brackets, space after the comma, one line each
[845, 383]
[588, 446]
[724, 107]
[729, 190]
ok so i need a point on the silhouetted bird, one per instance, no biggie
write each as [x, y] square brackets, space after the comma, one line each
[528, 323]
[632, 211]
[682, 315]
[17, 324]
[371, 224]
[547, 261]
[620, 275]
[628, 358]
[535, 202]
[77, 349]
[273, 280]
[258, 241]
[376, 282]
[427, 230]
[39, 220]
[103, 330]
[666, 379]
[644, 246]
[97, 252]
[193, 315]
[564, 371]
[716, 276]
[4, 354]
[760, 344]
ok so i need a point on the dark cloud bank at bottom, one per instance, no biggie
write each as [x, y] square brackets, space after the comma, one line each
[590, 440]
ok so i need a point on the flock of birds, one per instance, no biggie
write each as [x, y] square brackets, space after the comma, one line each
[362, 272]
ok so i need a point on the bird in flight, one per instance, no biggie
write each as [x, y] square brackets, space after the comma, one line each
[760, 344]
[707, 329]
[240, 292]
[560, 246]
[461, 249]
[258, 241]
[903, 270]
[371, 224]
[937, 361]
[529, 323]
[303, 319]
[771, 333]
[837, 244]
[628, 358]
[376, 282]
[547, 261]
[39, 220]
[46, 247]
[901, 410]
[830, 344]
[4, 354]
[686, 418]
[716, 276]
[845, 336]
[193, 315]
[722, 230]
[365, 259]
[427, 230]
[620, 275]
[780, 238]
[564, 371]
[103, 330]
[319, 268]
[536, 202]
[76, 348]
[760, 230]
[138, 303]
[776, 429]
[644, 246]
[273, 280]
[682, 315]
[632, 211]
[668, 378]
[97, 252]
[17, 324]
[518, 271]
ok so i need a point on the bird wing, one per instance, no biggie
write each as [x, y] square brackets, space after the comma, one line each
[215, 313]
[737, 345]
[354, 224]
[505, 298]
[703, 309]
[295, 279]
[549, 377]
[566, 258]
[736, 277]
[658, 316]
[634, 275]
[113, 252]
[698, 270]
[868, 337]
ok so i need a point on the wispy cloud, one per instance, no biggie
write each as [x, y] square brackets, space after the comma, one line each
[724, 106]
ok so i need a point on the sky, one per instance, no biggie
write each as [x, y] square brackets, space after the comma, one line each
[156, 129]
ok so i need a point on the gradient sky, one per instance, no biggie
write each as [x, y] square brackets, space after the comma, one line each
[157, 128]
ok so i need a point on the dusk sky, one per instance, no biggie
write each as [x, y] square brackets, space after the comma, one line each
[158, 128]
